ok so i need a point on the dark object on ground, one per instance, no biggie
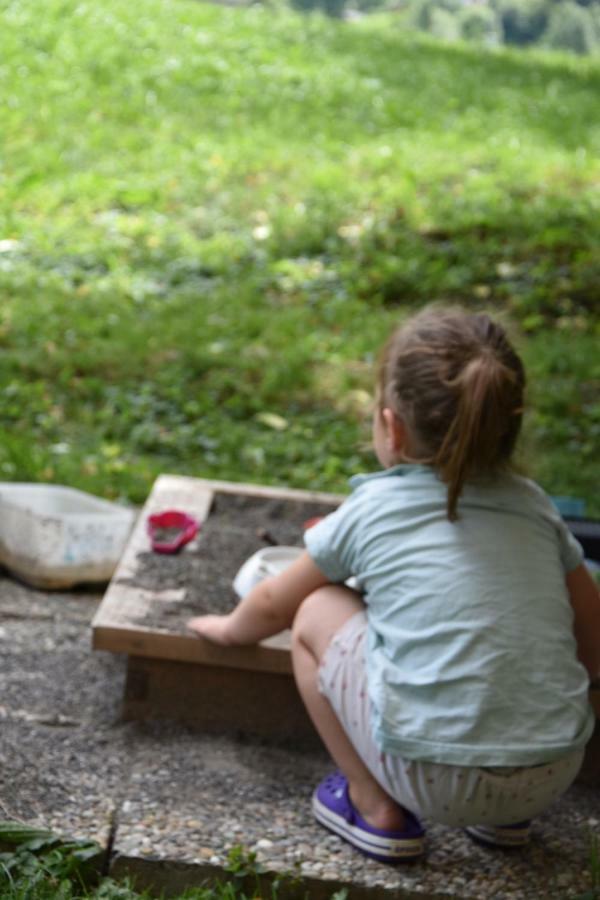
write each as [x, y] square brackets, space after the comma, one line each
[267, 537]
[587, 532]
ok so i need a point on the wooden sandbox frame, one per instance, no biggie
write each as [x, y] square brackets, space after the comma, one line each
[248, 690]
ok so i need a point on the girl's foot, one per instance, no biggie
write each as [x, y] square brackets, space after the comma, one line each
[516, 835]
[333, 808]
[379, 813]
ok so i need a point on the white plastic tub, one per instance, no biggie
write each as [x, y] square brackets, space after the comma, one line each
[54, 537]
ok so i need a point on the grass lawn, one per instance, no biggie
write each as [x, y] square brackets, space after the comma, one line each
[211, 217]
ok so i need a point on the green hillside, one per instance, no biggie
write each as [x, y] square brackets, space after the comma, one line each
[210, 218]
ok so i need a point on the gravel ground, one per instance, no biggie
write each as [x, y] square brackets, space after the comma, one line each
[185, 799]
[194, 798]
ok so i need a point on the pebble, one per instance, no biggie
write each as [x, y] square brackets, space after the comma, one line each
[330, 875]
[303, 850]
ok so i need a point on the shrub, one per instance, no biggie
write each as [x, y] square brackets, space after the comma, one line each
[444, 24]
[424, 12]
[523, 21]
[334, 8]
[480, 24]
[571, 27]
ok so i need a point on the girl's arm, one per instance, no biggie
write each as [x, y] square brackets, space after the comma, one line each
[585, 600]
[269, 608]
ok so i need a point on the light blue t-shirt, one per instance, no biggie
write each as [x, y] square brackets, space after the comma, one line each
[471, 657]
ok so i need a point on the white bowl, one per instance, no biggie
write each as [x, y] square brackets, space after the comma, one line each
[263, 564]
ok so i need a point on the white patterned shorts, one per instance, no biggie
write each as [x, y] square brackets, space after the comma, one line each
[453, 795]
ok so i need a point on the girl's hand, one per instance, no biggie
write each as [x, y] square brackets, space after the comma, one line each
[213, 628]
[269, 608]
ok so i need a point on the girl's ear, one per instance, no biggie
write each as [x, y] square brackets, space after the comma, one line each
[395, 432]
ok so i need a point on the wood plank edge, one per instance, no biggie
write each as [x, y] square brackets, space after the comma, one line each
[256, 490]
[179, 648]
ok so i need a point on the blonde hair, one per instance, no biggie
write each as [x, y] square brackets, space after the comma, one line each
[458, 384]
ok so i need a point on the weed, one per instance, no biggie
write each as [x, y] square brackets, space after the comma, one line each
[39, 861]
[36, 864]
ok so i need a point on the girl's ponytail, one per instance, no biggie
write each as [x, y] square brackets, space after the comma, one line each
[458, 384]
[484, 429]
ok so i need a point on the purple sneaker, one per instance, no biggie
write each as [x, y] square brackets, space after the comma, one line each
[516, 835]
[333, 808]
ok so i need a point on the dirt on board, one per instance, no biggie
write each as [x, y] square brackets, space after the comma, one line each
[237, 526]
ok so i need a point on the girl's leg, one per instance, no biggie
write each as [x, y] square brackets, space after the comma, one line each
[317, 620]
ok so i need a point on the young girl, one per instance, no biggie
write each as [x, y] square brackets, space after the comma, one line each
[454, 685]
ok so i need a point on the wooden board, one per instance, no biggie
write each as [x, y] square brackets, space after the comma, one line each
[125, 604]
[218, 700]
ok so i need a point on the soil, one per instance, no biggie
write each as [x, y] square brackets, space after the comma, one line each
[236, 527]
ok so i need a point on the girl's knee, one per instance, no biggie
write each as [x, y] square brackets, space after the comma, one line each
[307, 617]
[323, 613]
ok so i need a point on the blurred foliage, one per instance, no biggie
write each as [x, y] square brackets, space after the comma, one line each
[211, 217]
[568, 25]
[571, 26]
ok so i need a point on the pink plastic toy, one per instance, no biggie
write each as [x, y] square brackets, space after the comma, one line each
[170, 530]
